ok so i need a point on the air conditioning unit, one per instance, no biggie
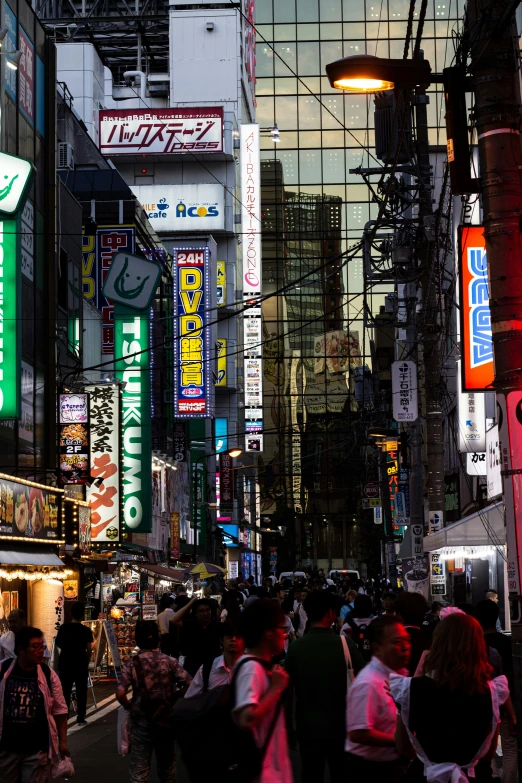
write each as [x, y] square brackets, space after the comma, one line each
[65, 155]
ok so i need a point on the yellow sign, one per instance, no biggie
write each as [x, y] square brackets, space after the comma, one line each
[373, 502]
[221, 268]
[391, 445]
[221, 361]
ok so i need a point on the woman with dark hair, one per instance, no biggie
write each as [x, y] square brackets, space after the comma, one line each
[155, 679]
[456, 691]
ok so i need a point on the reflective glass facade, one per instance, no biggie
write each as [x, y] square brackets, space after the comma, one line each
[314, 209]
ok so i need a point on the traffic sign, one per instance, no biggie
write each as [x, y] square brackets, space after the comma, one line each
[371, 490]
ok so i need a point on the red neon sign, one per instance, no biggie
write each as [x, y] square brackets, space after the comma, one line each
[476, 338]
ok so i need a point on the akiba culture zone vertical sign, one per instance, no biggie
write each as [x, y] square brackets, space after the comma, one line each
[193, 388]
[132, 363]
[476, 334]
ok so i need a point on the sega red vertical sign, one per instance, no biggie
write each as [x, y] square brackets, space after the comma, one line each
[26, 76]
[476, 336]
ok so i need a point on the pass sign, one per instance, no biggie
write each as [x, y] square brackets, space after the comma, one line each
[15, 178]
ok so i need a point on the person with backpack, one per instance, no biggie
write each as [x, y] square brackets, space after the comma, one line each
[155, 679]
[258, 694]
[357, 623]
[33, 714]
[321, 666]
[219, 671]
[371, 715]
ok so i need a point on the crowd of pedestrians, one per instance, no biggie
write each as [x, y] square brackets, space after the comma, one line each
[368, 683]
[358, 679]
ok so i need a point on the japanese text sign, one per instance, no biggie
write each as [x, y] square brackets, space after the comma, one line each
[26, 76]
[104, 498]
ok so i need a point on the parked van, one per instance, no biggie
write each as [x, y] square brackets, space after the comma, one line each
[337, 574]
[292, 575]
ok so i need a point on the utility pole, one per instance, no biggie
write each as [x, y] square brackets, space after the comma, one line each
[494, 48]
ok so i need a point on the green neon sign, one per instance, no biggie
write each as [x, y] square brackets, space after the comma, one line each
[9, 321]
[131, 336]
[16, 176]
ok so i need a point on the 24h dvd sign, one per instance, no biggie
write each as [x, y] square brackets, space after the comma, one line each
[193, 388]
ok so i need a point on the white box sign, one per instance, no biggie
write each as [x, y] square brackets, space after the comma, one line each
[183, 207]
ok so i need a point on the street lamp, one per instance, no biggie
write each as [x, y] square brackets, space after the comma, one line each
[364, 73]
[233, 452]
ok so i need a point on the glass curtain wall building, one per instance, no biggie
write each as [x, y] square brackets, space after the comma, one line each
[314, 212]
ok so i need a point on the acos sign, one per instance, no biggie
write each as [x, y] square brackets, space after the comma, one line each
[131, 346]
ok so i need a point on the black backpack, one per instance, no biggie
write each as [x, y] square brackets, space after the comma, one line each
[360, 637]
[231, 754]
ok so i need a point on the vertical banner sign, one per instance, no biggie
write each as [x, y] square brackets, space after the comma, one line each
[220, 435]
[174, 535]
[476, 334]
[226, 485]
[437, 575]
[131, 353]
[221, 350]
[221, 269]
[471, 420]
[435, 521]
[74, 438]
[9, 321]
[509, 409]
[26, 94]
[9, 45]
[179, 442]
[405, 391]
[251, 226]
[493, 463]
[193, 387]
[105, 499]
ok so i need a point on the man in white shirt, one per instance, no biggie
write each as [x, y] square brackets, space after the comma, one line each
[300, 618]
[259, 689]
[371, 714]
[16, 620]
[221, 670]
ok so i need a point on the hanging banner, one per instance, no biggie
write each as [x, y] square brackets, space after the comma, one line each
[509, 409]
[476, 463]
[251, 209]
[105, 498]
[73, 446]
[174, 535]
[226, 485]
[471, 420]
[132, 363]
[437, 575]
[221, 269]
[221, 350]
[493, 463]
[179, 442]
[193, 387]
[405, 391]
[476, 335]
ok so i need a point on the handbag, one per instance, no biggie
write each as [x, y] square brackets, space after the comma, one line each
[350, 674]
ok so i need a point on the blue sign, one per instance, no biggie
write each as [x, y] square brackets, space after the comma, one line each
[10, 45]
[230, 534]
[220, 435]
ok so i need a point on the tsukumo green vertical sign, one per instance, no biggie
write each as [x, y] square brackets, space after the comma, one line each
[132, 364]
[9, 321]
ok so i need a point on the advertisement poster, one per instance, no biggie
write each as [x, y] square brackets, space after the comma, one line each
[70, 589]
[104, 460]
[74, 453]
[74, 408]
[29, 512]
[161, 131]
[198, 207]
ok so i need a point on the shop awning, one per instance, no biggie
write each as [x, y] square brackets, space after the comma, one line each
[30, 556]
[482, 528]
[176, 574]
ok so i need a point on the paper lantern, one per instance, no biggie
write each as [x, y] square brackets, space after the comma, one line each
[47, 603]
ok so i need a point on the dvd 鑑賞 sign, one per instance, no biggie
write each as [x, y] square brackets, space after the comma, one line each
[161, 131]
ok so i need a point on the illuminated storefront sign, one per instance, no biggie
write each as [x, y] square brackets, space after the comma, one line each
[131, 348]
[74, 452]
[226, 485]
[161, 131]
[471, 419]
[221, 349]
[29, 511]
[97, 255]
[17, 175]
[9, 322]
[198, 207]
[251, 209]
[131, 280]
[476, 334]
[104, 498]
[193, 388]
[220, 435]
